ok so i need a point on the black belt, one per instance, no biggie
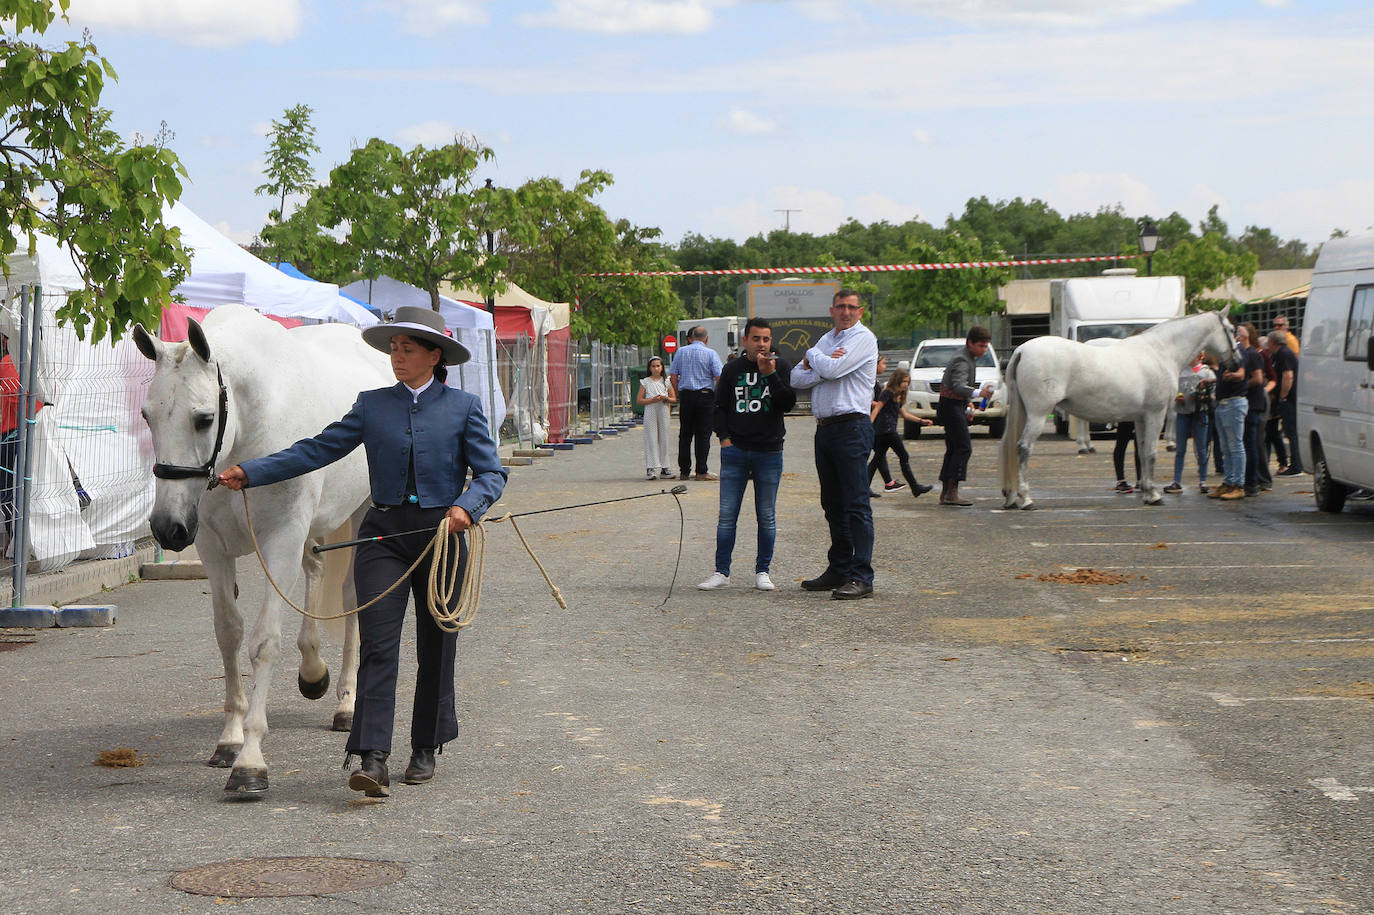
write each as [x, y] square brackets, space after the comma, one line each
[699, 391]
[841, 418]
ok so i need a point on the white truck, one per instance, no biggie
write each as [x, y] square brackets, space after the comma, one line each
[1112, 306]
[1335, 386]
[724, 335]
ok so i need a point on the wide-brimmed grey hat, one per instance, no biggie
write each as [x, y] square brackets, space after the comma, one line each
[422, 324]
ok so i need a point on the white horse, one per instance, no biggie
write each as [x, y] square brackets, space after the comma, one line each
[243, 386]
[1132, 380]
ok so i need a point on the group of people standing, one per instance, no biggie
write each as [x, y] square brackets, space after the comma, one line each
[1246, 411]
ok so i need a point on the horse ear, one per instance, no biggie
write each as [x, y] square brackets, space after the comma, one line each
[146, 343]
[195, 336]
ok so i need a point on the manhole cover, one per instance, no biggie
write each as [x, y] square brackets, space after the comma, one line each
[286, 877]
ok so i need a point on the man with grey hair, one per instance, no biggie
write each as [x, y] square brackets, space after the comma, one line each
[694, 373]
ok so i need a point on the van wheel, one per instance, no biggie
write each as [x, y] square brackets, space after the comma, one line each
[1061, 426]
[1329, 494]
[910, 431]
[997, 427]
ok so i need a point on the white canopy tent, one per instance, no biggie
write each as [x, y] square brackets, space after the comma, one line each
[472, 327]
[222, 273]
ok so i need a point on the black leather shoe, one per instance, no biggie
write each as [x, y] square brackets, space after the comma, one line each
[827, 581]
[853, 591]
[371, 778]
[421, 768]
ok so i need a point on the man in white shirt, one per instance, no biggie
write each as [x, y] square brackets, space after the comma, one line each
[840, 371]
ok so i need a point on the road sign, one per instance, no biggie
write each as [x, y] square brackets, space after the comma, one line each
[670, 344]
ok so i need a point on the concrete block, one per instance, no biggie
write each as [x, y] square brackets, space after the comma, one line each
[562, 446]
[582, 439]
[74, 615]
[28, 617]
[517, 461]
[176, 570]
[608, 431]
[532, 452]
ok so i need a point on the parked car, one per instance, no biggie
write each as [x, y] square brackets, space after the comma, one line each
[928, 365]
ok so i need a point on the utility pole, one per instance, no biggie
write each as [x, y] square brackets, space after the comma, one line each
[787, 218]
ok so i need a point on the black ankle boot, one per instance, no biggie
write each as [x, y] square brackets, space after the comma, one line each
[371, 778]
[421, 768]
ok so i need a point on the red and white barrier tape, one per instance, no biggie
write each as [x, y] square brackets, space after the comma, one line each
[874, 268]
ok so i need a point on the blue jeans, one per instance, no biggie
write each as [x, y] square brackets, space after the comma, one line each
[737, 467]
[1191, 426]
[842, 451]
[1231, 434]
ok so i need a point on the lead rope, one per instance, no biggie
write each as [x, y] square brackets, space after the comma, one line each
[442, 581]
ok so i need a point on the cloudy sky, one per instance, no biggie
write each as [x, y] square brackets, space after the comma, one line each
[714, 115]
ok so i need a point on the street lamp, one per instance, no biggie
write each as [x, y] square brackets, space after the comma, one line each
[1149, 243]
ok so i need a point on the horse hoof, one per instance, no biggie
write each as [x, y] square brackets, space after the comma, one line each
[1028, 507]
[224, 757]
[247, 781]
[1157, 500]
[343, 721]
[313, 690]
[1085, 451]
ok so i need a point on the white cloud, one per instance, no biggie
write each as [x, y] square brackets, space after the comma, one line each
[1310, 213]
[428, 133]
[622, 17]
[238, 236]
[1035, 12]
[260, 128]
[209, 23]
[1086, 192]
[812, 210]
[1276, 4]
[746, 123]
[424, 17]
[922, 137]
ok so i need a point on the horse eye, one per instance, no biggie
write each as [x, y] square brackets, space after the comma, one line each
[204, 422]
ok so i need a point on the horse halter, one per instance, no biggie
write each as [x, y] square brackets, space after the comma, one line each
[206, 470]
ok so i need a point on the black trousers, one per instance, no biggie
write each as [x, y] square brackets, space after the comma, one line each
[434, 721]
[695, 413]
[881, 444]
[1125, 433]
[953, 415]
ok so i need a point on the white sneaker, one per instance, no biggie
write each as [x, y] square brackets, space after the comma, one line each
[762, 582]
[716, 580]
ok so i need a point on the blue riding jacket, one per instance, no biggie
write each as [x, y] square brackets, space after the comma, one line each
[444, 430]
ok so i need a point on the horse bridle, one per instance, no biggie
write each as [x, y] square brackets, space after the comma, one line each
[206, 470]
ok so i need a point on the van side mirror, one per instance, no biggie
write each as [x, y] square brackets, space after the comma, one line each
[1369, 352]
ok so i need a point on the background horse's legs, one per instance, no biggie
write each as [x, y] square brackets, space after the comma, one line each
[220, 571]
[1085, 436]
[1147, 444]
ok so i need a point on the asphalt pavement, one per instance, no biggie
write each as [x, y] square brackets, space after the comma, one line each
[1193, 739]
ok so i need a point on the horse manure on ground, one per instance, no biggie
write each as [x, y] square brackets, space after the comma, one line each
[119, 758]
[1086, 577]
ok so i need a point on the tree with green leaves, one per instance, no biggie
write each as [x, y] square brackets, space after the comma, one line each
[936, 297]
[290, 143]
[560, 232]
[417, 216]
[1205, 263]
[106, 199]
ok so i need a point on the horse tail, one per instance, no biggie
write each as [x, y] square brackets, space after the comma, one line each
[1016, 424]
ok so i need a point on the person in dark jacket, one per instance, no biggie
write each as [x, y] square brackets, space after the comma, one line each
[752, 396]
[422, 438]
[957, 386]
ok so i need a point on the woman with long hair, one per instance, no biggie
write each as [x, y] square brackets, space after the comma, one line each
[890, 404]
[655, 394]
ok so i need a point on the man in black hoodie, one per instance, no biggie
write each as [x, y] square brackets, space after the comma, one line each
[752, 395]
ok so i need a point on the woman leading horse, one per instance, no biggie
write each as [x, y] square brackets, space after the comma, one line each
[421, 438]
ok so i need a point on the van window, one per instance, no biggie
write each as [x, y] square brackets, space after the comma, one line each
[1361, 322]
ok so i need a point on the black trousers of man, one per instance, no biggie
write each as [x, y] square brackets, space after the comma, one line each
[695, 414]
[953, 415]
[434, 720]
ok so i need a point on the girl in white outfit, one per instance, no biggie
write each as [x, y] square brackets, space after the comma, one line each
[655, 394]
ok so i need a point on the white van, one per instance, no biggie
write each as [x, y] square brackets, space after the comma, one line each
[1336, 372]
